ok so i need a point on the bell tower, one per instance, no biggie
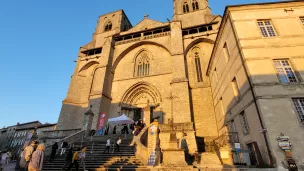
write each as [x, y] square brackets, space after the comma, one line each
[190, 12]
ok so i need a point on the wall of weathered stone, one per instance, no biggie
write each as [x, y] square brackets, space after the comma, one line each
[227, 105]
[160, 77]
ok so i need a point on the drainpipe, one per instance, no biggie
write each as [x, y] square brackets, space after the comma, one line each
[252, 91]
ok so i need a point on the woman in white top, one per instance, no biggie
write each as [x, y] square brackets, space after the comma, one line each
[108, 144]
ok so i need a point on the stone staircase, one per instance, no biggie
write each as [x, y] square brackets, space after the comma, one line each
[97, 160]
[210, 159]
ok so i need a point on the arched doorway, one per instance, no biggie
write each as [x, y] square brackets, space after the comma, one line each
[140, 101]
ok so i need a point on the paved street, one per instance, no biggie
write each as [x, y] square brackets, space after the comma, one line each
[9, 167]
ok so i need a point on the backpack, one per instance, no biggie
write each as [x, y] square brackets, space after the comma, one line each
[23, 163]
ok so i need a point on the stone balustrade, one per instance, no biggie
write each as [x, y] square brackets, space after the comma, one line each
[143, 38]
[141, 149]
[57, 134]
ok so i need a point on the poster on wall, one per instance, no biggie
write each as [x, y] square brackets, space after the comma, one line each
[153, 128]
[101, 123]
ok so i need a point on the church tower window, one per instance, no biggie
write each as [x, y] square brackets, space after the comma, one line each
[186, 7]
[143, 64]
[198, 68]
[195, 5]
[108, 26]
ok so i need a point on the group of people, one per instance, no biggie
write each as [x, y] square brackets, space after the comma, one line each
[73, 159]
[32, 157]
[137, 127]
[64, 146]
[5, 157]
[117, 144]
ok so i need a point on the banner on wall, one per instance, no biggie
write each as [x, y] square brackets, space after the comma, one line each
[101, 122]
[28, 138]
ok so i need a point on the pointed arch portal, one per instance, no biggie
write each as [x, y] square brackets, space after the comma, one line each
[142, 98]
[136, 95]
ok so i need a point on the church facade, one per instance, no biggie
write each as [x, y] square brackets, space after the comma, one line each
[233, 77]
[160, 65]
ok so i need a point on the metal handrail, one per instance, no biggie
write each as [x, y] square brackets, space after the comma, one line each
[226, 138]
[70, 139]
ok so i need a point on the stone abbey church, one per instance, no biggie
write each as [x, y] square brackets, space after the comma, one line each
[235, 81]
[159, 65]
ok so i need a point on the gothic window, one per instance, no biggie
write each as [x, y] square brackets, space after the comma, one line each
[198, 67]
[108, 26]
[186, 7]
[195, 5]
[143, 64]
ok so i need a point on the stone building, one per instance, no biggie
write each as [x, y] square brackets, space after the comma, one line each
[220, 76]
[158, 65]
[10, 136]
[256, 72]
[6, 136]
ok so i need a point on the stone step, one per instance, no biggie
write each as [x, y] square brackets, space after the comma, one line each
[104, 169]
[97, 160]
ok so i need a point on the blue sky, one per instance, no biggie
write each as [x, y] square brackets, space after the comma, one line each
[39, 40]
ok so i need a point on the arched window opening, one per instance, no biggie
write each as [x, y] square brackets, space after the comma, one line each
[143, 65]
[108, 26]
[195, 5]
[198, 68]
[186, 7]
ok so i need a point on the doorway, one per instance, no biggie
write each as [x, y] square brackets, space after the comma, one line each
[137, 114]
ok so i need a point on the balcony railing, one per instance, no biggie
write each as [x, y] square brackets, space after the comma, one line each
[226, 139]
[141, 37]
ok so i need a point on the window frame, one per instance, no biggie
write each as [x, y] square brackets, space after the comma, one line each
[143, 64]
[198, 67]
[226, 52]
[297, 78]
[186, 7]
[235, 87]
[215, 75]
[107, 26]
[245, 127]
[299, 116]
[302, 20]
[195, 5]
[265, 27]
[222, 107]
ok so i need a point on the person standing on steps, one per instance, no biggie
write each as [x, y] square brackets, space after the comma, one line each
[36, 163]
[64, 146]
[75, 160]
[54, 150]
[68, 159]
[82, 157]
[118, 142]
[108, 145]
[126, 129]
[114, 130]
